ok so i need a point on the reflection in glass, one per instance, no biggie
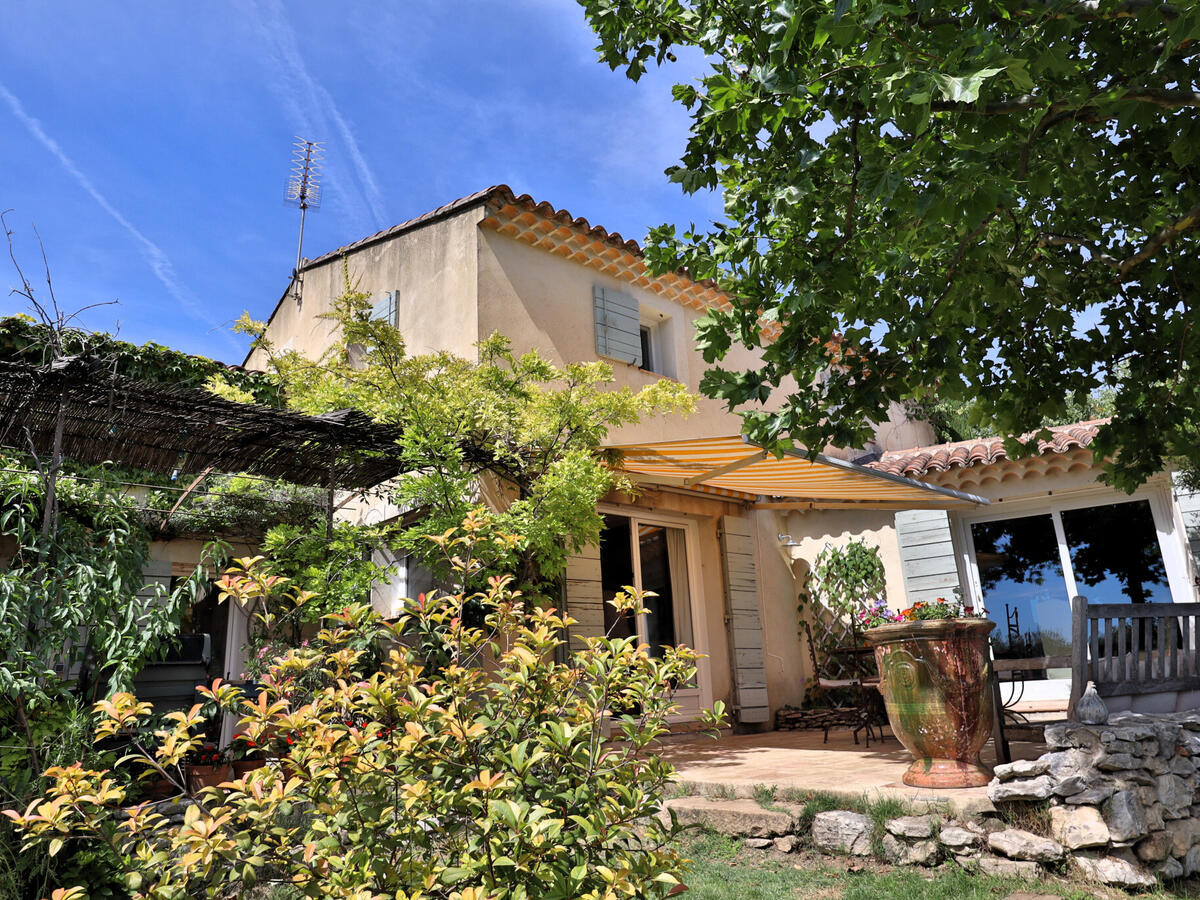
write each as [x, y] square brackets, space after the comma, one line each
[662, 557]
[616, 573]
[1115, 554]
[1024, 592]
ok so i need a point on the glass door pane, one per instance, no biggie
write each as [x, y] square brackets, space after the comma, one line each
[662, 552]
[616, 573]
[1024, 592]
[1115, 553]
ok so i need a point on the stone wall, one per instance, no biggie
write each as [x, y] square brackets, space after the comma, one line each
[1122, 796]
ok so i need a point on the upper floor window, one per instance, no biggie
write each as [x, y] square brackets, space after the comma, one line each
[647, 337]
[385, 307]
[629, 333]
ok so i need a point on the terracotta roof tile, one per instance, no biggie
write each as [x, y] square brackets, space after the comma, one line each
[497, 193]
[980, 451]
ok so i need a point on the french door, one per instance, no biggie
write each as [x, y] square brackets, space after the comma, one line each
[656, 555]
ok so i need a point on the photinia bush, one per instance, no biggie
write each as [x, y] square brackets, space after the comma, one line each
[486, 769]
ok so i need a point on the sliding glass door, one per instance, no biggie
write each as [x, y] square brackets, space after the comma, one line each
[1025, 568]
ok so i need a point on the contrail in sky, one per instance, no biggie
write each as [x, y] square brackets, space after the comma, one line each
[160, 264]
[292, 82]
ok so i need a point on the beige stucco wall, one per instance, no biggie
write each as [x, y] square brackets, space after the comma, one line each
[432, 267]
[542, 301]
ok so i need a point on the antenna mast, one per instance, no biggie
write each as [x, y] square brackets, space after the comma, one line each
[304, 192]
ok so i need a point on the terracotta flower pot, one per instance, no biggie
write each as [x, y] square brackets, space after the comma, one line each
[242, 766]
[200, 777]
[936, 687]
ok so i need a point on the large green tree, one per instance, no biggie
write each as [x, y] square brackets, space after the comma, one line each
[996, 199]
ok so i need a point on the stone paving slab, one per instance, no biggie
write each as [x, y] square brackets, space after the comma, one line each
[734, 765]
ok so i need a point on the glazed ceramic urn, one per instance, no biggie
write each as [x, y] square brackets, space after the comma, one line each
[936, 685]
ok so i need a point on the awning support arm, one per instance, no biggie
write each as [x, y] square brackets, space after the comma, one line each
[725, 469]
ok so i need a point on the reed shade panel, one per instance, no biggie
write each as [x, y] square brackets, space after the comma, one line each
[167, 428]
[734, 467]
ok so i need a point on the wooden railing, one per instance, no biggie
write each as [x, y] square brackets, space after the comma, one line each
[1134, 648]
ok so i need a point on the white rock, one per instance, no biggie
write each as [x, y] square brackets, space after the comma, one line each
[1021, 768]
[840, 831]
[1078, 826]
[1017, 844]
[911, 826]
[919, 853]
[1110, 870]
[1027, 789]
[1008, 868]
[957, 838]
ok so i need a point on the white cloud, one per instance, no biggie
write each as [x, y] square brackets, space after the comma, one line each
[160, 264]
[313, 111]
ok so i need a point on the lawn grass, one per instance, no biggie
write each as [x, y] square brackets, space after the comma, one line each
[721, 869]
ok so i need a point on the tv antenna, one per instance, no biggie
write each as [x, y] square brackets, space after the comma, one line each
[304, 192]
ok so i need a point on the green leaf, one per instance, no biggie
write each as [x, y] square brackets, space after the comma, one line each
[964, 88]
[1018, 74]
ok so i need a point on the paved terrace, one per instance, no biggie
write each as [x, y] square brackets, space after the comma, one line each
[799, 760]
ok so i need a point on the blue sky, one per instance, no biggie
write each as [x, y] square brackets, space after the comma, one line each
[149, 142]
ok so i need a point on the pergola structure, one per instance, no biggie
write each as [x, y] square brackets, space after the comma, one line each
[92, 415]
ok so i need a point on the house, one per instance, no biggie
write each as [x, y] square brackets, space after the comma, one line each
[495, 261]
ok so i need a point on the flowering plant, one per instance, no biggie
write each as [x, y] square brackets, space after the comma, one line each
[941, 609]
[878, 614]
[207, 755]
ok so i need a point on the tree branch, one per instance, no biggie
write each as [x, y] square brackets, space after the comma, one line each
[958, 256]
[1189, 221]
[1068, 240]
[1156, 96]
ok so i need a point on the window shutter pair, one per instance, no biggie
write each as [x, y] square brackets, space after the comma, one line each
[745, 622]
[926, 554]
[386, 308]
[618, 326]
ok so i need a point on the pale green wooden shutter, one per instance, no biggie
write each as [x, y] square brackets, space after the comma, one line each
[618, 326]
[584, 596]
[745, 622]
[1189, 507]
[385, 309]
[926, 554]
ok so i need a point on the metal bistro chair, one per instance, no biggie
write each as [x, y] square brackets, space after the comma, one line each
[864, 714]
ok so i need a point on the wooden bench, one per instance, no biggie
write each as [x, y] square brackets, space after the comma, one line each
[1126, 649]
[1129, 649]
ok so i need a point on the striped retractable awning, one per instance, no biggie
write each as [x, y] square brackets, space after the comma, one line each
[731, 465]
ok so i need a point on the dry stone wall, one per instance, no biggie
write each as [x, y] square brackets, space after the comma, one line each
[1122, 795]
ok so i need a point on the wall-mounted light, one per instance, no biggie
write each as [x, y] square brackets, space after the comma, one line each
[789, 546]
